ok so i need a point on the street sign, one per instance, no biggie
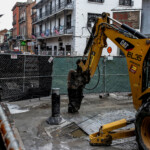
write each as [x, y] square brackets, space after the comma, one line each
[23, 43]
[13, 56]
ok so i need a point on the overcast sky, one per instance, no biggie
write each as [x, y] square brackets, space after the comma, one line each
[5, 8]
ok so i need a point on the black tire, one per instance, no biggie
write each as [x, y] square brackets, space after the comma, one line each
[142, 127]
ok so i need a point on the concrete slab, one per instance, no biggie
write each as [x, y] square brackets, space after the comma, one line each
[36, 134]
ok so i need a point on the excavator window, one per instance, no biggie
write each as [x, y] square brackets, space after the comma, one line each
[146, 72]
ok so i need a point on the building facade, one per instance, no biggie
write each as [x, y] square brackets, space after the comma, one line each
[54, 26]
[25, 27]
[15, 23]
[2, 39]
[61, 26]
[22, 26]
[145, 23]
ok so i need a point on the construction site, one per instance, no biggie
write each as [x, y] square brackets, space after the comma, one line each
[73, 132]
[88, 102]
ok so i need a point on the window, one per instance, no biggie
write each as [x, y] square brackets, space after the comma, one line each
[98, 1]
[59, 3]
[50, 26]
[40, 29]
[61, 49]
[40, 12]
[55, 50]
[50, 8]
[59, 23]
[126, 2]
[92, 18]
[49, 49]
[33, 11]
[68, 50]
[14, 19]
[46, 9]
[46, 26]
[33, 30]
[69, 1]
[121, 53]
[68, 21]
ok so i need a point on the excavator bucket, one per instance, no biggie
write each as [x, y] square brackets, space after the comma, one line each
[75, 94]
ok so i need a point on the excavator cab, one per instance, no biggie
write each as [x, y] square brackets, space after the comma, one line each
[146, 72]
[142, 122]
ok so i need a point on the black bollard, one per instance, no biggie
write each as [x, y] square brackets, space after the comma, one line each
[55, 119]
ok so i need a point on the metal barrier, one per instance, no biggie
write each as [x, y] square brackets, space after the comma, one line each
[113, 75]
[30, 76]
[25, 76]
[8, 136]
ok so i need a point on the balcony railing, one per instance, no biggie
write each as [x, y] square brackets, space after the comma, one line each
[57, 31]
[33, 13]
[21, 20]
[98, 1]
[34, 19]
[55, 53]
[21, 37]
[24, 37]
[10, 38]
[40, 3]
[53, 11]
[14, 37]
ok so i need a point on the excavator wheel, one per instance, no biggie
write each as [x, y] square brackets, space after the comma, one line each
[142, 127]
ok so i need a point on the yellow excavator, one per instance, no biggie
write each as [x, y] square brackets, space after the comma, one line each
[136, 48]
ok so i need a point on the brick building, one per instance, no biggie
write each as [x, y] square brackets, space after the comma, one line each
[15, 34]
[25, 27]
[22, 26]
[2, 37]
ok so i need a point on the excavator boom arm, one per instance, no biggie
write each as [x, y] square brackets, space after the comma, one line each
[133, 44]
[136, 48]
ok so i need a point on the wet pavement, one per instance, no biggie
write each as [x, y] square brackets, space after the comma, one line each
[72, 134]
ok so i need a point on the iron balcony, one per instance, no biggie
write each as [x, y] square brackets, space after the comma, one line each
[51, 12]
[58, 31]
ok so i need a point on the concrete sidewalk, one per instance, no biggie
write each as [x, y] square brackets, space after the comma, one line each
[30, 120]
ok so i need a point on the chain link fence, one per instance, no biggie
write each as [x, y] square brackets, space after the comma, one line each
[113, 75]
[25, 76]
[28, 76]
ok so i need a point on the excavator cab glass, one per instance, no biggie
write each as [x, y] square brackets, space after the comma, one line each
[146, 72]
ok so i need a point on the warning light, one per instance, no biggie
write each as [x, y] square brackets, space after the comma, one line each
[109, 50]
